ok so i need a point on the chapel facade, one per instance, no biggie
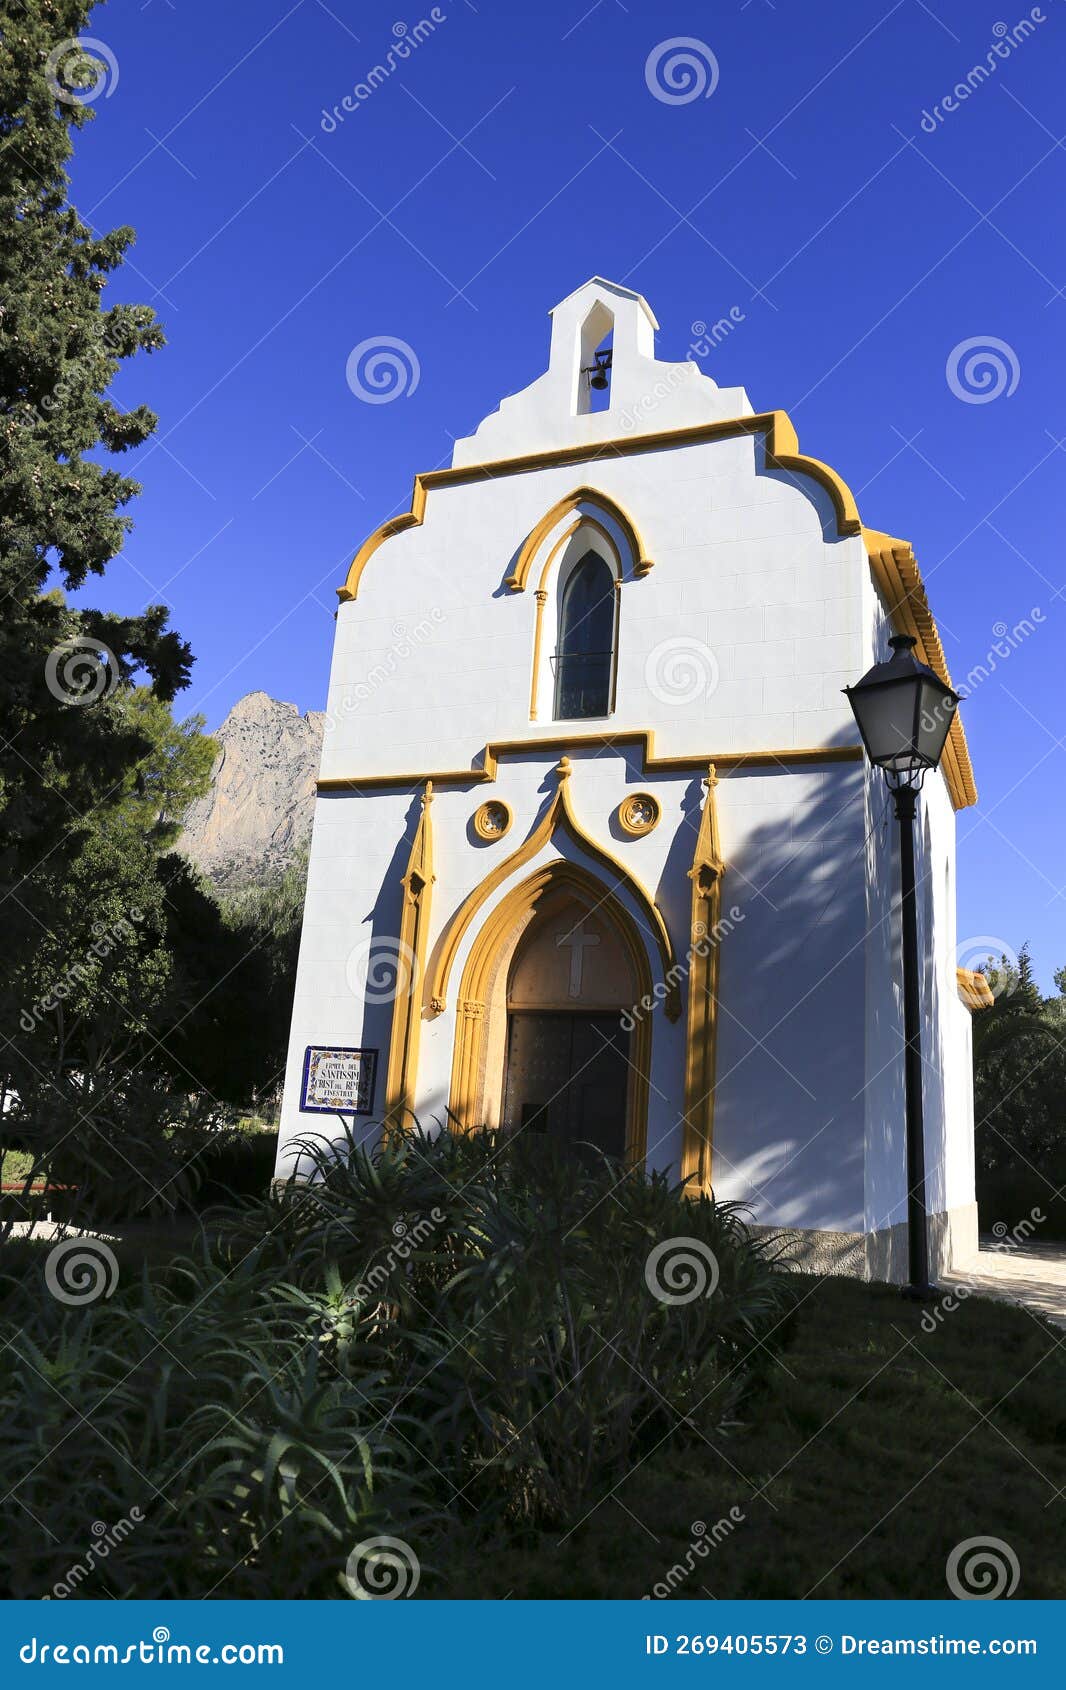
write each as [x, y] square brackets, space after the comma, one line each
[596, 854]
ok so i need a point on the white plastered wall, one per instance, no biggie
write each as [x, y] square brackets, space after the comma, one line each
[754, 616]
[947, 1068]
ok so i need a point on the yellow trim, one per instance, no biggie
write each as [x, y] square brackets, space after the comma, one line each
[973, 989]
[642, 737]
[896, 573]
[394, 525]
[627, 821]
[402, 1074]
[782, 452]
[467, 1095]
[519, 576]
[701, 1044]
[894, 567]
[581, 522]
[558, 815]
[482, 825]
[541, 598]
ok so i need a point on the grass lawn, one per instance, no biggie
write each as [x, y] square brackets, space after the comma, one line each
[16, 1166]
[857, 1470]
[865, 1452]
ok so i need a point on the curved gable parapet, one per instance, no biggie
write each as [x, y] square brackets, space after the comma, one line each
[394, 525]
[892, 561]
[782, 452]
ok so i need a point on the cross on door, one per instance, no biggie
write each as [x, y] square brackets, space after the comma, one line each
[577, 939]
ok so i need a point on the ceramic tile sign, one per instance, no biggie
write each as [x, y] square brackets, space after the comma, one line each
[338, 1080]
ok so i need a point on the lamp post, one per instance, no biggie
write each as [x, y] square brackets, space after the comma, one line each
[904, 712]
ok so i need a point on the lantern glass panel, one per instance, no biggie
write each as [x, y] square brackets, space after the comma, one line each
[887, 721]
[935, 715]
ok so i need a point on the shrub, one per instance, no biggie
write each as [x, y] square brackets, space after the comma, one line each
[237, 1165]
[1033, 1197]
[199, 1407]
[436, 1336]
[142, 1159]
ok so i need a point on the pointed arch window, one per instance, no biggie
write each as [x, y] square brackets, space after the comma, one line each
[584, 660]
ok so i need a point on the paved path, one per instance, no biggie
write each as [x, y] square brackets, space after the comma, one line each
[45, 1231]
[181, 1233]
[1035, 1278]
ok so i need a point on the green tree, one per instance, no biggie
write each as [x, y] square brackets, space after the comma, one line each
[236, 962]
[62, 510]
[94, 772]
[89, 1087]
[1019, 1072]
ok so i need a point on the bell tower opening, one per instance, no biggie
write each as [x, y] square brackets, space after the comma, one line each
[567, 1069]
[595, 359]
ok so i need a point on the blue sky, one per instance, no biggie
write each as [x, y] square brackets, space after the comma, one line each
[519, 149]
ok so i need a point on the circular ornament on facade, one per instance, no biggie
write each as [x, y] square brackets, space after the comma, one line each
[639, 814]
[492, 820]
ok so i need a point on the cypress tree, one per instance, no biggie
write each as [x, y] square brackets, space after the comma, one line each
[63, 512]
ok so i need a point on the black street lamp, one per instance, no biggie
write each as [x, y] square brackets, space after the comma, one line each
[904, 712]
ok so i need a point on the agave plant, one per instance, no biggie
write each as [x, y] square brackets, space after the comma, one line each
[427, 1337]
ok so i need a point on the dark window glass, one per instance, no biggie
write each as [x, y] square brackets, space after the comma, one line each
[584, 661]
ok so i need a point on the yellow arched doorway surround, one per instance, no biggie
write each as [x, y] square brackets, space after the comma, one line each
[559, 816]
[477, 1066]
[497, 940]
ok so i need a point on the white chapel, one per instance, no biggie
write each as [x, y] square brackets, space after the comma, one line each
[596, 851]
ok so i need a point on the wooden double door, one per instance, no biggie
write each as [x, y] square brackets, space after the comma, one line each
[567, 1078]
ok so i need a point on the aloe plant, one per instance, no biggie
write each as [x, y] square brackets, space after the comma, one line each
[446, 1332]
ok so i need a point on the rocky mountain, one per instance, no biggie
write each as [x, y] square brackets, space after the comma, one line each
[258, 811]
